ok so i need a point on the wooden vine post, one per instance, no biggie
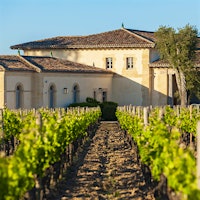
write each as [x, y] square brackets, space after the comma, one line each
[198, 154]
[134, 110]
[145, 116]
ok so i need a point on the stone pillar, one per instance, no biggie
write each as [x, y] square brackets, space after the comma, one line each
[170, 90]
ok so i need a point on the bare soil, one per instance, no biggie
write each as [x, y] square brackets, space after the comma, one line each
[106, 168]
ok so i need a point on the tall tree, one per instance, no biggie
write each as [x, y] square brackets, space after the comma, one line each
[178, 49]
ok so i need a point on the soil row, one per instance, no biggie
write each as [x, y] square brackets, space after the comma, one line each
[106, 168]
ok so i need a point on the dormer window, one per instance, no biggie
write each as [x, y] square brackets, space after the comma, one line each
[109, 63]
[129, 63]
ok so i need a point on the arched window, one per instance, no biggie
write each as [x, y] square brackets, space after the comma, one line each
[76, 93]
[52, 97]
[19, 96]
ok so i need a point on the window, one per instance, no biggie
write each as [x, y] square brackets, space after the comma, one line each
[129, 63]
[108, 63]
[76, 93]
[52, 96]
[95, 95]
[104, 96]
[19, 96]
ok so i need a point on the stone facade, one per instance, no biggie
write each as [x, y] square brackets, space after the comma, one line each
[34, 89]
[133, 83]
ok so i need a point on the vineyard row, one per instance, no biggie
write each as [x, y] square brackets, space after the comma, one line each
[162, 135]
[45, 138]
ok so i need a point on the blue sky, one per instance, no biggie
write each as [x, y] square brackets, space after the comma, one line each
[28, 20]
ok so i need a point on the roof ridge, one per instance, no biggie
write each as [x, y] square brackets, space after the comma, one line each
[140, 30]
[88, 35]
[103, 32]
[139, 36]
[29, 63]
[37, 57]
[108, 39]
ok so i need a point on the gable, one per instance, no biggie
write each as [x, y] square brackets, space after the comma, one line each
[45, 64]
[15, 63]
[119, 38]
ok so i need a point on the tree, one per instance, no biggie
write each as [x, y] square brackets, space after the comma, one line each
[178, 49]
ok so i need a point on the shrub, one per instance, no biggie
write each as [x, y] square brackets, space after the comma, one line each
[108, 110]
[83, 104]
[91, 100]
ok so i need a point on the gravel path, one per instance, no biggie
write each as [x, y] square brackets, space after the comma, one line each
[107, 169]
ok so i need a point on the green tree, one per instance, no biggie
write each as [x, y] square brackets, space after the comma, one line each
[178, 49]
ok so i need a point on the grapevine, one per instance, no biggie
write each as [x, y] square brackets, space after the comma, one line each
[41, 144]
[158, 145]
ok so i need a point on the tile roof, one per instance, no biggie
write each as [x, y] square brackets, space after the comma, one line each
[112, 39]
[51, 64]
[14, 63]
[45, 64]
[149, 35]
[162, 63]
[120, 38]
[159, 63]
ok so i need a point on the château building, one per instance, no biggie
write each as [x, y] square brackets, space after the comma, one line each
[121, 65]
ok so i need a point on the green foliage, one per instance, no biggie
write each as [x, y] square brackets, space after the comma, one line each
[158, 145]
[187, 121]
[12, 124]
[40, 146]
[170, 117]
[83, 104]
[91, 100]
[193, 86]
[108, 110]
[178, 49]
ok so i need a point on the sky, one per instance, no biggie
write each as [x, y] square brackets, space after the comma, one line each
[29, 20]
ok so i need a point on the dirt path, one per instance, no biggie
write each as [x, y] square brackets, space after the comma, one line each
[107, 169]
